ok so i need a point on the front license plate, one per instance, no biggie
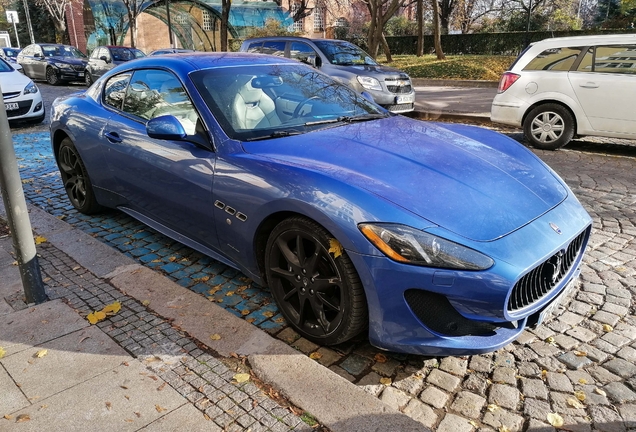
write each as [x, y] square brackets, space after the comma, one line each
[405, 99]
[547, 312]
[11, 106]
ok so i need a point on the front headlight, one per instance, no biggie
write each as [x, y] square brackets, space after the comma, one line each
[63, 65]
[408, 245]
[369, 83]
[30, 88]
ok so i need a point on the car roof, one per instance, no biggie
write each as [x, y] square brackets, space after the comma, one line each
[299, 38]
[586, 40]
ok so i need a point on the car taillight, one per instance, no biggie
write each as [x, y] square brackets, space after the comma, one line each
[507, 79]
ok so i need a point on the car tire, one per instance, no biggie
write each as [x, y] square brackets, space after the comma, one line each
[549, 126]
[88, 79]
[51, 76]
[314, 282]
[75, 178]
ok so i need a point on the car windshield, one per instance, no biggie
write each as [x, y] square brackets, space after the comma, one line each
[122, 54]
[138, 53]
[10, 52]
[260, 102]
[61, 51]
[5, 67]
[344, 53]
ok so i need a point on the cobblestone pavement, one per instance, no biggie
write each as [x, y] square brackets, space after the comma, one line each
[204, 380]
[579, 366]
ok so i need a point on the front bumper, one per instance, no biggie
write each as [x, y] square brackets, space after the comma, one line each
[478, 300]
[27, 107]
[70, 74]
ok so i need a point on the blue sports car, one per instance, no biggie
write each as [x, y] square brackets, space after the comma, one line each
[436, 239]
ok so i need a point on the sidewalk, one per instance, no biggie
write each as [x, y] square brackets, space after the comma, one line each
[166, 361]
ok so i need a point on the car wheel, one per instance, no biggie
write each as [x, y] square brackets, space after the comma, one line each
[314, 282]
[75, 178]
[549, 126]
[51, 76]
[88, 79]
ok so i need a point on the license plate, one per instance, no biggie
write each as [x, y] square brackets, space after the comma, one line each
[405, 99]
[547, 312]
[11, 106]
[80, 74]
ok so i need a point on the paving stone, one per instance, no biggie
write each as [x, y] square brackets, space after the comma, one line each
[434, 397]
[593, 353]
[371, 383]
[528, 369]
[536, 408]
[619, 393]
[566, 342]
[387, 368]
[573, 361]
[481, 363]
[628, 412]
[444, 380]
[412, 384]
[328, 356]
[504, 396]
[615, 339]
[592, 396]
[505, 359]
[627, 353]
[526, 338]
[605, 346]
[621, 367]
[561, 405]
[578, 377]
[343, 373]
[559, 382]
[606, 318]
[615, 309]
[500, 418]
[534, 388]
[454, 365]
[582, 334]
[544, 349]
[572, 319]
[468, 404]
[606, 419]
[576, 424]
[538, 426]
[355, 364]
[395, 398]
[475, 383]
[454, 423]
[505, 375]
[305, 346]
[421, 412]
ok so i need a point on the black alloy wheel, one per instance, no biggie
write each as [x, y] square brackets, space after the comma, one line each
[314, 282]
[75, 178]
[51, 76]
[88, 79]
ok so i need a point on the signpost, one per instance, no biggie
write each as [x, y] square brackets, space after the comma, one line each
[12, 17]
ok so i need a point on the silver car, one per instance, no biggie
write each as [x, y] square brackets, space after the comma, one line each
[345, 62]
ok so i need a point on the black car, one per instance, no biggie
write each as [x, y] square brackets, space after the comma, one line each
[104, 58]
[54, 63]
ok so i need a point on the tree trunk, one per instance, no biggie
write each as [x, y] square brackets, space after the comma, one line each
[420, 28]
[387, 51]
[436, 32]
[225, 18]
[132, 28]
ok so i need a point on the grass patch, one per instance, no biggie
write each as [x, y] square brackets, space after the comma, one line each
[309, 419]
[461, 67]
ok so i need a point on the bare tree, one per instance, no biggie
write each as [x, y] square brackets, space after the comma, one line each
[420, 27]
[381, 11]
[437, 38]
[134, 9]
[468, 12]
[57, 10]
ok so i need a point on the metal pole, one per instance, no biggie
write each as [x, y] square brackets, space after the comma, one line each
[15, 30]
[28, 18]
[169, 23]
[18, 216]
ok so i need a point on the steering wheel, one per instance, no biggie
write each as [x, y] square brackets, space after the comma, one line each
[302, 104]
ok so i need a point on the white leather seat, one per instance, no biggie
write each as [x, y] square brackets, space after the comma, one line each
[253, 108]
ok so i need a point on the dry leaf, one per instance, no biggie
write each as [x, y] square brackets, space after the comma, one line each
[161, 387]
[215, 336]
[250, 320]
[22, 418]
[599, 391]
[574, 403]
[385, 381]
[41, 353]
[315, 355]
[380, 358]
[245, 312]
[109, 406]
[112, 308]
[550, 340]
[159, 408]
[503, 428]
[145, 302]
[555, 420]
[229, 293]
[96, 317]
[474, 423]
[580, 353]
[40, 240]
[129, 420]
[608, 328]
[8, 417]
[582, 381]
[492, 407]
[580, 395]
[2, 352]
[241, 377]
[138, 414]
[335, 247]
[544, 373]
[268, 314]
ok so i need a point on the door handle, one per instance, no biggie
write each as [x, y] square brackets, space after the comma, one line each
[589, 85]
[113, 137]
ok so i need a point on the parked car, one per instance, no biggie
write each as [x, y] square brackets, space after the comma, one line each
[22, 98]
[10, 55]
[440, 238]
[346, 63]
[104, 58]
[170, 51]
[563, 87]
[54, 63]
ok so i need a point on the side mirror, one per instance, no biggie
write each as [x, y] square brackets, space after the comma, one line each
[37, 54]
[165, 127]
[103, 58]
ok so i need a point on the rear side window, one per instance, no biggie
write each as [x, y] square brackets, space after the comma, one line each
[255, 47]
[555, 59]
[618, 59]
[301, 51]
[274, 48]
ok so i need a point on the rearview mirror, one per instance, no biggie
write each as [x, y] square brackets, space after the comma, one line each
[165, 127]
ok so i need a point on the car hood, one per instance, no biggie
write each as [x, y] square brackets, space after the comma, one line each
[69, 60]
[473, 182]
[372, 70]
[13, 81]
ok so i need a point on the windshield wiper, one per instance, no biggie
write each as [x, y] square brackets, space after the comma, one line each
[277, 134]
[347, 119]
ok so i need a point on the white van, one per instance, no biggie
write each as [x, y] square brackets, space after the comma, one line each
[562, 87]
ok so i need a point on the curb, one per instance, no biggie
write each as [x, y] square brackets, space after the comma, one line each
[424, 82]
[331, 399]
[482, 119]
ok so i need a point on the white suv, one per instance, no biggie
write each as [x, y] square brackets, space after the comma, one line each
[562, 87]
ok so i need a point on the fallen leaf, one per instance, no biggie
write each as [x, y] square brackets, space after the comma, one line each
[492, 407]
[580, 353]
[580, 395]
[22, 418]
[138, 414]
[550, 340]
[335, 247]
[241, 377]
[109, 406]
[599, 391]
[608, 328]
[2, 352]
[39, 240]
[250, 320]
[215, 336]
[159, 408]
[112, 308]
[8, 417]
[380, 358]
[96, 317]
[41, 353]
[245, 312]
[574, 403]
[124, 387]
[43, 407]
[268, 314]
[386, 381]
[129, 420]
[555, 420]
[161, 387]
[152, 377]
[582, 381]
[503, 428]
[474, 423]
[145, 302]
[315, 355]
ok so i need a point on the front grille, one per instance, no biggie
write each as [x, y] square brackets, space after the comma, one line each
[398, 85]
[543, 278]
[436, 312]
[24, 107]
[11, 95]
[400, 107]
[399, 89]
[79, 68]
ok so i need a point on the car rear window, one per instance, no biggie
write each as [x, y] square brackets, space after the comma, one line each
[555, 59]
